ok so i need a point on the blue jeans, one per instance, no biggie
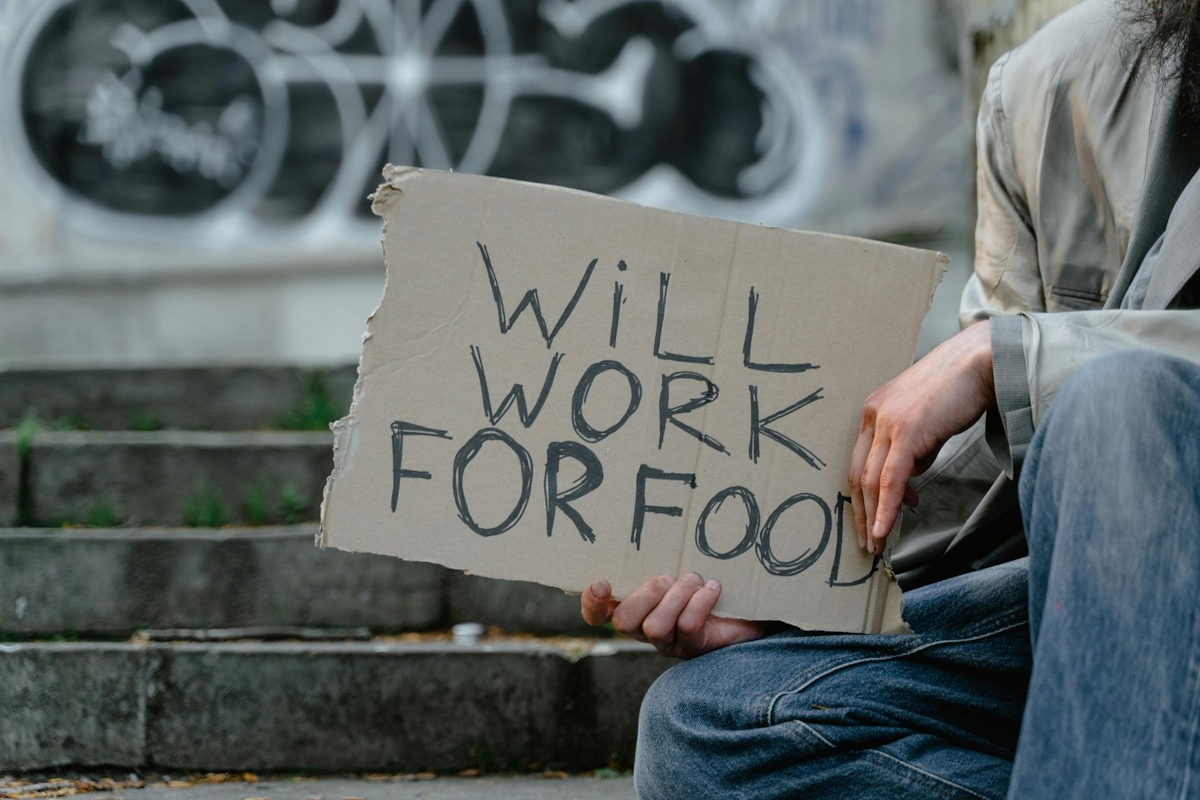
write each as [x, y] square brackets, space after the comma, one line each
[1074, 673]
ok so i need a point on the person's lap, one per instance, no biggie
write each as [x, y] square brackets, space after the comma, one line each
[931, 714]
[937, 713]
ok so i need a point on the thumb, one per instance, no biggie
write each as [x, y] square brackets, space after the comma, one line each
[596, 603]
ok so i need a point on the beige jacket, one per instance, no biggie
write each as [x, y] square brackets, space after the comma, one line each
[1070, 138]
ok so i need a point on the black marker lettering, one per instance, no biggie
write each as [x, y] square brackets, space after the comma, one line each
[748, 361]
[806, 559]
[618, 301]
[582, 428]
[531, 299]
[667, 412]
[517, 393]
[664, 278]
[759, 426]
[842, 502]
[752, 515]
[593, 476]
[466, 454]
[640, 509]
[399, 429]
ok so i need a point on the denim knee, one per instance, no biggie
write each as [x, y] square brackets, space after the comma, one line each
[705, 727]
[1124, 383]
[1100, 428]
[1107, 396]
[669, 729]
[692, 731]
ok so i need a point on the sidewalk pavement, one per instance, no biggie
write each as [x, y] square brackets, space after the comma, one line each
[405, 788]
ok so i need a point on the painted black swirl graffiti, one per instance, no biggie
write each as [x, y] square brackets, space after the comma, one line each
[252, 116]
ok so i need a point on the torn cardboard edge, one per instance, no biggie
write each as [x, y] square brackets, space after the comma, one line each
[426, 226]
[343, 429]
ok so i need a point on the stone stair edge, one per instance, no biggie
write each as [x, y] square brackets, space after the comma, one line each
[163, 478]
[176, 438]
[172, 533]
[89, 368]
[571, 648]
[113, 581]
[184, 397]
[320, 707]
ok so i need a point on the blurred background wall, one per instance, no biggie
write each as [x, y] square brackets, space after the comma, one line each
[185, 181]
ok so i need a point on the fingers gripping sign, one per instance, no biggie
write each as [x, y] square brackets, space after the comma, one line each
[673, 615]
[905, 424]
[879, 471]
[598, 603]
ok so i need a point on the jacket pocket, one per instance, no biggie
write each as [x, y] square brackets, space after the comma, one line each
[1066, 299]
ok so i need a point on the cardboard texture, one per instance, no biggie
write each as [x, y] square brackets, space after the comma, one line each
[559, 387]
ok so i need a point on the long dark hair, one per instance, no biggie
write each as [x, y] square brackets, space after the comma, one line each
[1165, 34]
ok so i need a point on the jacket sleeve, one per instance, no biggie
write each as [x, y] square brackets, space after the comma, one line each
[1006, 278]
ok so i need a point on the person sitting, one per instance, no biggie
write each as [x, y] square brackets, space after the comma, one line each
[1052, 451]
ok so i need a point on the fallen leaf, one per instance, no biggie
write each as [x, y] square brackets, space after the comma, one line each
[213, 777]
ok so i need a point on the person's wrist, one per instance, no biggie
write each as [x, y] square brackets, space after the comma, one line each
[981, 356]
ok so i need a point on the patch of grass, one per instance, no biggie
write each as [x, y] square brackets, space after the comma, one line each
[101, 515]
[27, 428]
[293, 507]
[31, 424]
[316, 412]
[143, 421]
[204, 509]
[73, 423]
[254, 505]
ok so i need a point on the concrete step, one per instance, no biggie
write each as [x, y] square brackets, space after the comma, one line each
[113, 582]
[199, 398]
[608, 785]
[346, 707]
[198, 478]
[10, 477]
[85, 582]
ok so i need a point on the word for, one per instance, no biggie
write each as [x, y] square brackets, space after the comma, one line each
[757, 535]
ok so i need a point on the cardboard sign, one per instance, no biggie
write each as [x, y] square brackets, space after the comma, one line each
[559, 387]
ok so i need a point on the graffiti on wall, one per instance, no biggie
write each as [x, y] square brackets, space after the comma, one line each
[240, 121]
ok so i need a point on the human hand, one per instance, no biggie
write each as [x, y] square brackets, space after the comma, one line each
[905, 424]
[673, 615]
